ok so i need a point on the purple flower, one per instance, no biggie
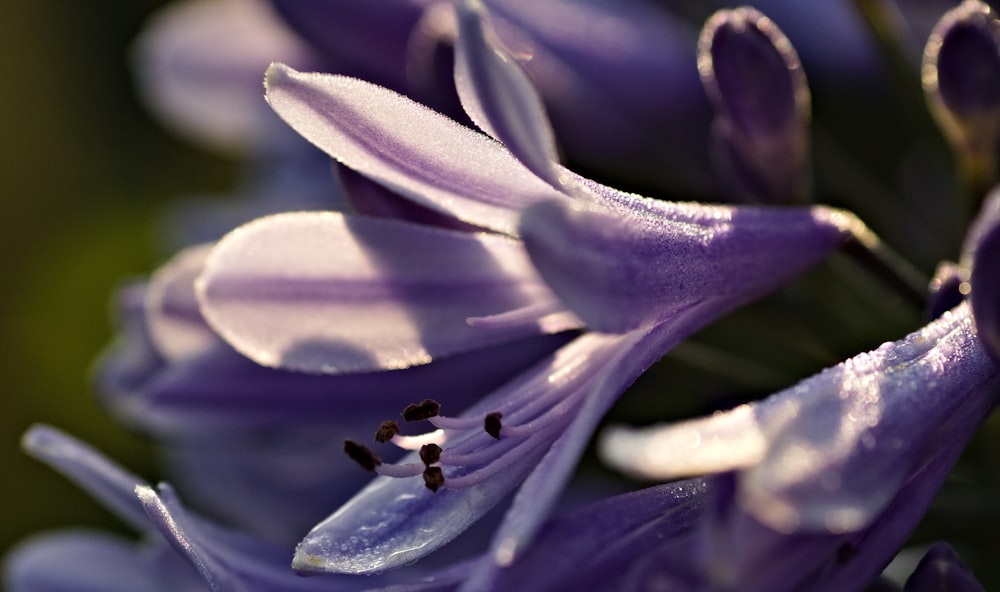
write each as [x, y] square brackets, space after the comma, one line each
[334, 293]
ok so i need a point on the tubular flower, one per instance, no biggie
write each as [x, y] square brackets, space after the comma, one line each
[339, 294]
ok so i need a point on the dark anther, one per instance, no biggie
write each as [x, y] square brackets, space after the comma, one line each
[386, 430]
[425, 409]
[433, 478]
[362, 455]
[430, 453]
[492, 424]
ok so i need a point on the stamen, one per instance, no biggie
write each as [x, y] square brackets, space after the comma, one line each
[425, 409]
[486, 472]
[415, 442]
[492, 424]
[454, 423]
[430, 453]
[433, 478]
[386, 430]
[362, 455]
[400, 470]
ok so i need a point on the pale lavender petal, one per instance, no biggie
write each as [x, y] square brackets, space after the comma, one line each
[408, 148]
[393, 522]
[618, 272]
[79, 561]
[321, 292]
[498, 96]
[718, 443]
[176, 327]
[90, 470]
[199, 64]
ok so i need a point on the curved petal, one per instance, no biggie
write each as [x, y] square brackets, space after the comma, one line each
[90, 470]
[499, 98]
[407, 147]
[622, 270]
[838, 446]
[321, 292]
[174, 321]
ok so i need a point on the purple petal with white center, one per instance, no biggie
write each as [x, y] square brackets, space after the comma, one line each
[498, 96]
[199, 64]
[321, 292]
[105, 481]
[619, 272]
[80, 561]
[407, 147]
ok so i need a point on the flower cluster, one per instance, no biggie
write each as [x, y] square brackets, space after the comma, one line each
[458, 306]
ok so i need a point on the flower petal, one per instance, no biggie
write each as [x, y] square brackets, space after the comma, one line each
[620, 271]
[498, 96]
[321, 292]
[591, 548]
[722, 442]
[406, 147]
[224, 389]
[840, 442]
[175, 324]
[89, 469]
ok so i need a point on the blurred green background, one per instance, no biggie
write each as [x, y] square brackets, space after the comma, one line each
[83, 171]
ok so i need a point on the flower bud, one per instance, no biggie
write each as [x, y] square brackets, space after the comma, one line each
[755, 82]
[961, 77]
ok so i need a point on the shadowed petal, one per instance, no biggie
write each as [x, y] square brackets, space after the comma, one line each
[407, 147]
[321, 292]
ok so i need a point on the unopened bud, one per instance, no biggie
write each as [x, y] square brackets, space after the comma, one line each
[755, 81]
[961, 77]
